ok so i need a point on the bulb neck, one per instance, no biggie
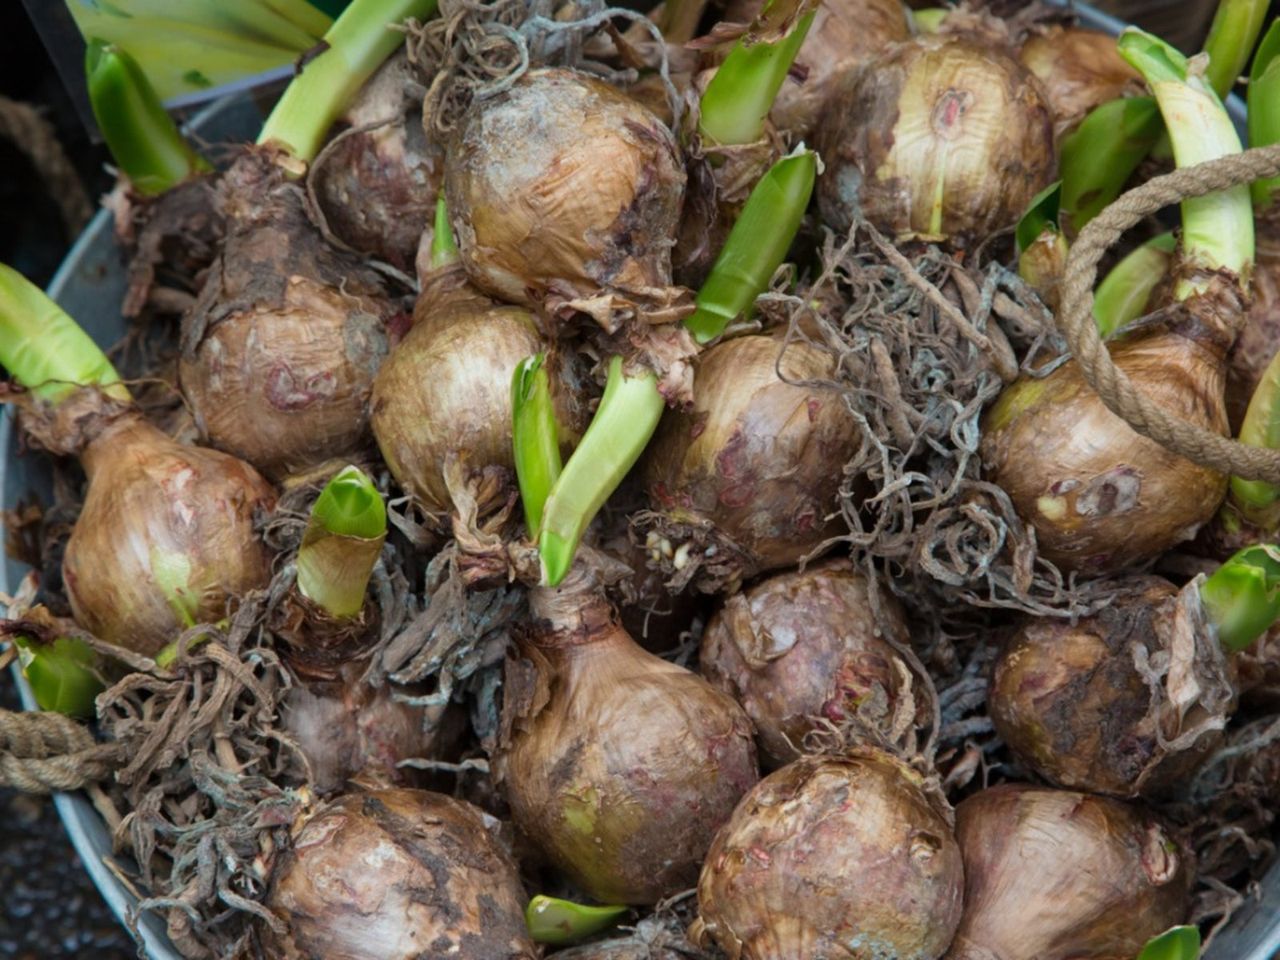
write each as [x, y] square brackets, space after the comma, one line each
[321, 647]
[1214, 316]
[250, 191]
[574, 613]
[89, 424]
[445, 289]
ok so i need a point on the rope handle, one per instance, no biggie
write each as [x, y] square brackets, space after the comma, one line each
[26, 129]
[1076, 318]
[44, 752]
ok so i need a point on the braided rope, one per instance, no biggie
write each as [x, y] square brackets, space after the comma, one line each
[1076, 318]
[44, 752]
[33, 135]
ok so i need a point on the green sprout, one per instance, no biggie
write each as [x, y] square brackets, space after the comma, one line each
[1242, 597]
[63, 675]
[741, 94]
[342, 543]
[1125, 293]
[1217, 230]
[444, 247]
[355, 46]
[1099, 157]
[1232, 35]
[756, 245]
[623, 424]
[1264, 108]
[535, 438]
[631, 407]
[44, 349]
[143, 139]
[562, 922]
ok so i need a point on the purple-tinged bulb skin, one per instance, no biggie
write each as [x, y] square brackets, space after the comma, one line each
[281, 346]
[397, 875]
[1073, 705]
[1100, 496]
[753, 469]
[1058, 875]
[804, 647]
[165, 538]
[618, 765]
[846, 857]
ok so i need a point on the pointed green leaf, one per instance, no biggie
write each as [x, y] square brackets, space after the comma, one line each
[1179, 943]
[563, 922]
[1042, 214]
[1242, 597]
[63, 675]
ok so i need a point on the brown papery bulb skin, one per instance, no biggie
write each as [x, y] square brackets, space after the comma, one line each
[835, 857]
[564, 185]
[619, 766]
[397, 875]
[1259, 338]
[165, 537]
[179, 232]
[844, 35]
[937, 139]
[804, 646]
[1080, 69]
[378, 187]
[1099, 495]
[1258, 674]
[280, 348]
[441, 404]
[346, 727]
[1057, 875]
[1070, 703]
[758, 458]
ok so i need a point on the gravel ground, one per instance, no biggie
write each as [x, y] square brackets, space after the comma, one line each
[51, 909]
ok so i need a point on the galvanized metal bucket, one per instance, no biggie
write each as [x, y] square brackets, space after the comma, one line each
[91, 284]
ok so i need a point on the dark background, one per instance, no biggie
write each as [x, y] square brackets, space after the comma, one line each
[50, 908]
[32, 235]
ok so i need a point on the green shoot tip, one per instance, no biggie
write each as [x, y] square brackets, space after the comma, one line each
[351, 506]
[63, 675]
[1176, 943]
[563, 922]
[535, 437]
[1242, 597]
[444, 248]
[143, 139]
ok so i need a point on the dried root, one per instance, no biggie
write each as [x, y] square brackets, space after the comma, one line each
[922, 348]
[476, 49]
[204, 784]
